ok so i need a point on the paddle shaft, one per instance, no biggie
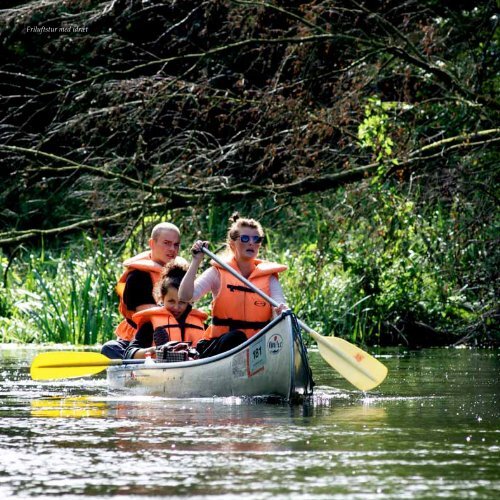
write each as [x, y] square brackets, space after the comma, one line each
[105, 364]
[315, 335]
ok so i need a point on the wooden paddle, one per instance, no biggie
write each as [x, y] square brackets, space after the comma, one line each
[357, 366]
[70, 364]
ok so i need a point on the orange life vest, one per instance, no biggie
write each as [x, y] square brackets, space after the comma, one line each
[160, 317]
[238, 307]
[126, 329]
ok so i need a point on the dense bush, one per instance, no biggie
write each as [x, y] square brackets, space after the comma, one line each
[393, 275]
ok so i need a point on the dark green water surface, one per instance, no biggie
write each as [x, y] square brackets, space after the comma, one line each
[431, 430]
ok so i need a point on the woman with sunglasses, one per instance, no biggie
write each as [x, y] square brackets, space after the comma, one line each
[238, 313]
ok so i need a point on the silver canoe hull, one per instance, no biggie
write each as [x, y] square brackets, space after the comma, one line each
[271, 363]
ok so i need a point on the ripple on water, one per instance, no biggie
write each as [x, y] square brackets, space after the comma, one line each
[419, 435]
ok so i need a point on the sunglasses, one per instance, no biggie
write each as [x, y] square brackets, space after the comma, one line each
[244, 238]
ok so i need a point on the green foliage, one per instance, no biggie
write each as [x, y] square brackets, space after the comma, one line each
[162, 126]
[375, 265]
[392, 275]
[63, 299]
[379, 130]
[5, 303]
[373, 130]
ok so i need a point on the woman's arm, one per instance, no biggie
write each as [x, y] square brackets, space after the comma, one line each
[276, 293]
[208, 281]
[186, 288]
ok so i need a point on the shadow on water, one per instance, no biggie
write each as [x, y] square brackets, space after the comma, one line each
[431, 430]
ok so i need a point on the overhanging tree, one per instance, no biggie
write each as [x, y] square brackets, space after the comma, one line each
[116, 110]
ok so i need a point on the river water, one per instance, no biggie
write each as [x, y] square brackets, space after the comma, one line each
[431, 430]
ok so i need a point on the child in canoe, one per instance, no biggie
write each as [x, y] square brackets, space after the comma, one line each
[238, 312]
[174, 320]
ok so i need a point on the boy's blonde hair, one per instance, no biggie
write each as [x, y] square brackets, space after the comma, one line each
[163, 226]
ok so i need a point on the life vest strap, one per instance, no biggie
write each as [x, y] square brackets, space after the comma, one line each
[239, 288]
[235, 324]
[196, 327]
[178, 325]
[169, 325]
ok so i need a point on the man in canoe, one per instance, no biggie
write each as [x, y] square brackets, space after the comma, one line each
[135, 287]
[238, 312]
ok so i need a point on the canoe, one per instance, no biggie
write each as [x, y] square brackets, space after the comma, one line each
[272, 363]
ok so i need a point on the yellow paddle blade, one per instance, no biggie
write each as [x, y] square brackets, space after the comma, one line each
[357, 366]
[69, 364]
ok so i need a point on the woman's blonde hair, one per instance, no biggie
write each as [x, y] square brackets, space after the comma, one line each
[236, 223]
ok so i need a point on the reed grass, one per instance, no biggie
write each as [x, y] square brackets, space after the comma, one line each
[64, 299]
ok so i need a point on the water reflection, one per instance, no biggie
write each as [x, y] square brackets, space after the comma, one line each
[431, 430]
[72, 407]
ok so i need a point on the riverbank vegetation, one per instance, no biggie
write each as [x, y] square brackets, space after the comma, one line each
[363, 134]
[397, 273]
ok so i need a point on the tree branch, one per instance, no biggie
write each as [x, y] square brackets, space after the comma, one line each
[75, 167]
